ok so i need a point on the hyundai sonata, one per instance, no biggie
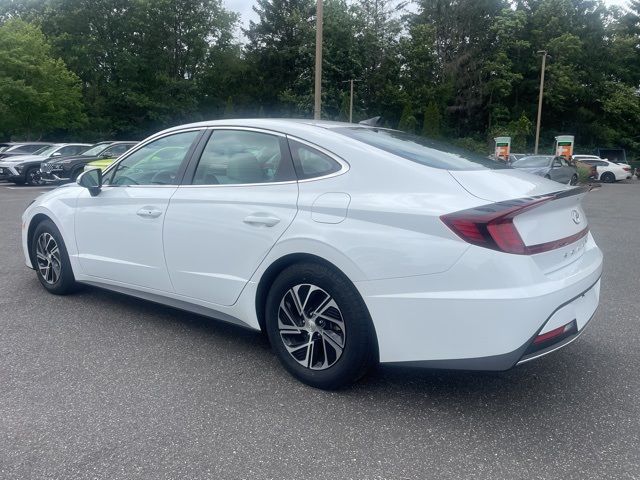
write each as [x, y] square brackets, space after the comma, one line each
[349, 245]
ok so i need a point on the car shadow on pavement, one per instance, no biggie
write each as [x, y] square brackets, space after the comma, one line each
[558, 373]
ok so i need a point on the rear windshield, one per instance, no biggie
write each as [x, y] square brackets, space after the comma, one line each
[422, 150]
[540, 161]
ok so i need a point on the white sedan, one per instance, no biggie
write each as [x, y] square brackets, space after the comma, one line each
[349, 245]
[608, 171]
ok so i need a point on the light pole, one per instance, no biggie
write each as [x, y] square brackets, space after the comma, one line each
[318, 80]
[350, 97]
[544, 65]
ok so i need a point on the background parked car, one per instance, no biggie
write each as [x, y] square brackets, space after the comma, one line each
[548, 166]
[101, 164]
[514, 157]
[608, 172]
[22, 169]
[24, 148]
[67, 169]
[5, 145]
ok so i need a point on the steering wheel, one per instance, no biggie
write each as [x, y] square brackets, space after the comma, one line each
[124, 180]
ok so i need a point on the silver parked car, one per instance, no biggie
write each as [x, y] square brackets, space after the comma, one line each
[548, 166]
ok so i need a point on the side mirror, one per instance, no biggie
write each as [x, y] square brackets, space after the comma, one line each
[57, 154]
[91, 180]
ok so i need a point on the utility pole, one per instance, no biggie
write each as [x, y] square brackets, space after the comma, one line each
[350, 97]
[318, 79]
[351, 102]
[544, 65]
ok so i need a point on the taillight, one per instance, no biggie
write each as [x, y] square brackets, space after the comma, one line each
[626, 169]
[491, 226]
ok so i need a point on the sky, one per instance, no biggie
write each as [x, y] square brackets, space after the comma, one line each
[243, 7]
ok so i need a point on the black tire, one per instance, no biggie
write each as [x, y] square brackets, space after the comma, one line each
[547, 177]
[65, 282]
[608, 177]
[574, 180]
[360, 348]
[32, 176]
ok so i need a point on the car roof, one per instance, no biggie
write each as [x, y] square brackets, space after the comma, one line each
[67, 144]
[276, 124]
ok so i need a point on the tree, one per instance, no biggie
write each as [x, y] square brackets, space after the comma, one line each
[38, 94]
[280, 51]
[407, 120]
[431, 121]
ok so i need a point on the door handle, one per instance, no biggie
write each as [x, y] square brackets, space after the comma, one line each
[147, 212]
[264, 220]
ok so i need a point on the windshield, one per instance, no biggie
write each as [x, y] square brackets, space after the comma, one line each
[41, 149]
[539, 161]
[425, 151]
[93, 151]
[46, 151]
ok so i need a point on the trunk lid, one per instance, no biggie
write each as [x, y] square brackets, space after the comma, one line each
[504, 184]
[560, 222]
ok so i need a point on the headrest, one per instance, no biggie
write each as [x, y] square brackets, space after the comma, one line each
[244, 168]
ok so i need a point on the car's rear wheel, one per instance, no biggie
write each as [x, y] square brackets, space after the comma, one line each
[319, 326]
[608, 177]
[574, 180]
[32, 176]
[50, 259]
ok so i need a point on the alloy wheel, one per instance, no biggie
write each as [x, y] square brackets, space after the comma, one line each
[34, 177]
[48, 258]
[311, 326]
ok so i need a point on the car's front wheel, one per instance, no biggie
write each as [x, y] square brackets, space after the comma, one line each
[32, 176]
[319, 326]
[574, 180]
[50, 259]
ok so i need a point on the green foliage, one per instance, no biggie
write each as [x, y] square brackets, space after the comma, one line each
[431, 121]
[38, 94]
[407, 120]
[460, 69]
[584, 171]
[519, 130]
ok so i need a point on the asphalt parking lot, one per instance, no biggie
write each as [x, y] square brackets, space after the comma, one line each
[99, 385]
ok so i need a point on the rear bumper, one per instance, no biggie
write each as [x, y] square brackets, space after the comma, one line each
[419, 322]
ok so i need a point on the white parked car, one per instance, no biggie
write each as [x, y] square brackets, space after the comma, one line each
[608, 171]
[347, 244]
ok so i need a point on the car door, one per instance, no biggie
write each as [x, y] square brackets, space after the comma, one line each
[119, 231]
[238, 198]
[567, 171]
[557, 173]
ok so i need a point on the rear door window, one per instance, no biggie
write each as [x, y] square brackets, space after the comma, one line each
[238, 157]
[536, 161]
